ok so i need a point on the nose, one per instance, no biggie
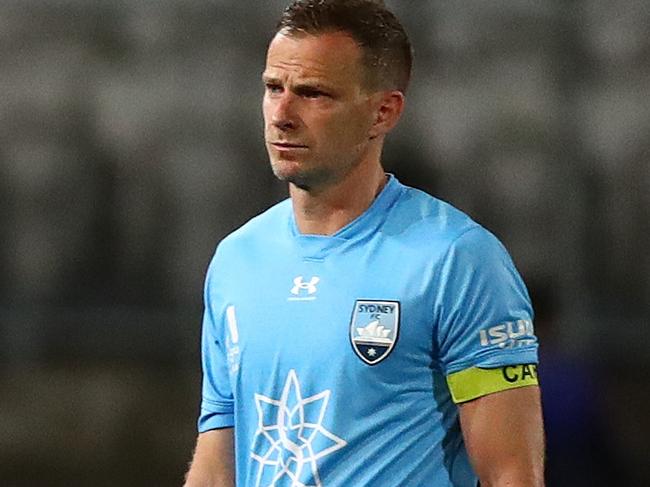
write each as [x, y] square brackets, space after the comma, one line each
[284, 116]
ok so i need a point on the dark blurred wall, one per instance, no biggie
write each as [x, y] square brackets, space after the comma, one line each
[130, 144]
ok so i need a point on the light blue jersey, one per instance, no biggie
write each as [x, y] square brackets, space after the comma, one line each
[331, 355]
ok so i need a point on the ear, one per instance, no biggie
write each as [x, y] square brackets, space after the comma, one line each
[389, 108]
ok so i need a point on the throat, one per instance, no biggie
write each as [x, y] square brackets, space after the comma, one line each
[323, 220]
[328, 211]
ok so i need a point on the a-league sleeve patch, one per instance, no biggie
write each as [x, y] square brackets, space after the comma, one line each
[474, 382]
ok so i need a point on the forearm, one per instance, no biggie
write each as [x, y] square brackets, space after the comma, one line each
[213, 461]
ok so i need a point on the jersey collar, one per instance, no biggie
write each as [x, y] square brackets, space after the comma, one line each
[317, 247]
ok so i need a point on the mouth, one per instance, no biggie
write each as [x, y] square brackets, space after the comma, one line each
[287, 145]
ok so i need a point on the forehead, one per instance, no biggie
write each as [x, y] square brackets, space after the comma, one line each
[331, 56]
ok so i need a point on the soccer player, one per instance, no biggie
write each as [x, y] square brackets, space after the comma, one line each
[360, 333]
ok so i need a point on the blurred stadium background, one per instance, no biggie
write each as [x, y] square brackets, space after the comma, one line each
[130, 143]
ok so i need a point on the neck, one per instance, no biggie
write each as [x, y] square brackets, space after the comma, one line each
[326, 210]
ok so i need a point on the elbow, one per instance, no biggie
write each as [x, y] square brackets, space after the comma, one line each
[515, 479]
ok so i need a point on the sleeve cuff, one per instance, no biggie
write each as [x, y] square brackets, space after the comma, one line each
[209, 420]
[475, 382]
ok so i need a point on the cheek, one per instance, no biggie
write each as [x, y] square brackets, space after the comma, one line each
[352, 128]
[266, 111]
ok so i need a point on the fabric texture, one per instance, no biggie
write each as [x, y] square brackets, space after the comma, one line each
[330, 354]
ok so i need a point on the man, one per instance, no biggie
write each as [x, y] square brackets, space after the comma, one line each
[360, 333]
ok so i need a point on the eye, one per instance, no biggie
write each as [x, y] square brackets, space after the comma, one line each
[273, 88]
[313, 93]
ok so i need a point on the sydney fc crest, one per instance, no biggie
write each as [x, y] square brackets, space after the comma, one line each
[374, 329]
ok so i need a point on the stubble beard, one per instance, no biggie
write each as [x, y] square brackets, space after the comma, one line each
[314, 178]
[302, 178]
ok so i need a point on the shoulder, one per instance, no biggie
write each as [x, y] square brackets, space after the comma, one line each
[260, 232]
[425, 224]
[420, 217]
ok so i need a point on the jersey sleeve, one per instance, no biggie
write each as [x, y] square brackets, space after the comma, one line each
[485, 338]
[217, 400]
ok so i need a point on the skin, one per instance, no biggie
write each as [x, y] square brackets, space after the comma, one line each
[324, 131]
[504, 437]
[213, 464]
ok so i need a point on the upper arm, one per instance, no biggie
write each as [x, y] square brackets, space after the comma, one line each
[504, 437]
[482, 312]
[488, 351]
[213, 464]
[217, 398]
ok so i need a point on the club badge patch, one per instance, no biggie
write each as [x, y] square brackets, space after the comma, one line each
[374, 329]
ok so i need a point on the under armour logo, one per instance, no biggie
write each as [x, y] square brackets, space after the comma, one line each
[300, 285]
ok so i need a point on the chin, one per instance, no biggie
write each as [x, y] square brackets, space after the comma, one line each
[307, 180]
[291, 173]
[286, 170]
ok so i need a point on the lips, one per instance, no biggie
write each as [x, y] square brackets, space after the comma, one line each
[288, 145]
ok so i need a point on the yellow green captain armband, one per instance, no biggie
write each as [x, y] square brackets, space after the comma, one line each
[474, 382]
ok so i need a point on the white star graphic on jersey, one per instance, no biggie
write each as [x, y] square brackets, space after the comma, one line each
[372, 352]
[290, 437]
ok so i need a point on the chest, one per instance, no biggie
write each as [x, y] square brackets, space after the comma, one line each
[359, 317]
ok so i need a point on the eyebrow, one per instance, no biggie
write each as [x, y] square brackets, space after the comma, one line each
[308, 84]
[270, 79]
